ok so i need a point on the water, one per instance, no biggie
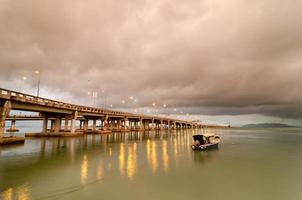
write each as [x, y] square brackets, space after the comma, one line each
[250, 164]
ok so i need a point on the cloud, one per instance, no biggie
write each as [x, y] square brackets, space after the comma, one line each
[207, 57]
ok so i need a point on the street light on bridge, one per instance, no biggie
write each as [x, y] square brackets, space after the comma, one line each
[38, 84]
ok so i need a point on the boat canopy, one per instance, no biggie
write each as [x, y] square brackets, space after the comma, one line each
[199, 138]
[207, 135]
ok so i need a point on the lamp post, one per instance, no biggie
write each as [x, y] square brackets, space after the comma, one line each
[94, 96]
[38, 84]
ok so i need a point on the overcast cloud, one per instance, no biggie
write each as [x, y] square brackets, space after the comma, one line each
[211, 57]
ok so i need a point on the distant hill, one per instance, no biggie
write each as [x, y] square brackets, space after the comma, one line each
[267, 125]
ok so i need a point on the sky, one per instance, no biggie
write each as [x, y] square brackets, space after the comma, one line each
[219, 61]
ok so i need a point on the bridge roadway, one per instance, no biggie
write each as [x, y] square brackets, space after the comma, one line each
[56, 112]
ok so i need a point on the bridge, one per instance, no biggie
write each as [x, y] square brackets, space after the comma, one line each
[64, 117]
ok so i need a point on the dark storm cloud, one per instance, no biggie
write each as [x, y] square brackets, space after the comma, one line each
[209, 56]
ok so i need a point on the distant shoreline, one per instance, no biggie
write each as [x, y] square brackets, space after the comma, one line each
[269, 125]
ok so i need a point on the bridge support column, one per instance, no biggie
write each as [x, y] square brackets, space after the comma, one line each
[12, 127]
[52, 125]
[174, 125]
[66, 123]
[125, 123]
[94, 125]
[81, 124]
[86, 124]
[141, 124]
[147, 125]
[45, 124]
[106, 124]
[152, 124]
[161, 124]
[57, 124]
[119, 125]
[73, 122]
[4, 111]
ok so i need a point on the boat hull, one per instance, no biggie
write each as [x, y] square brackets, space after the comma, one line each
[205, 147]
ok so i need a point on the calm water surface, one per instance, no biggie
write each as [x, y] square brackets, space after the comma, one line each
[250, 164]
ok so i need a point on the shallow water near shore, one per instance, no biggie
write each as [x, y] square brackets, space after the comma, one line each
[249, 164]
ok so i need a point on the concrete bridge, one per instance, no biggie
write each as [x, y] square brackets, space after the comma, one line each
[64, 117]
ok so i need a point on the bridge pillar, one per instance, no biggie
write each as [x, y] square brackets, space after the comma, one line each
[135, 125]
[81, 125]
[141, 124]
[12, 127]
[106, 124]
[73, 122]
[45, 124]
[57, 124]
[161, 124]
[94, 125]
[174, 125]
[52, 125]
[119, 124]
[86, 124]
[152, 124]
[4, 111]
[66, 123]
[125, 123]
[147, 125]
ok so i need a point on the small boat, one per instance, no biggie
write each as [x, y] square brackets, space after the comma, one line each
[205, 141]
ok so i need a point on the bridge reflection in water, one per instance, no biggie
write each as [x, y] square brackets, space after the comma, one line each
[71, 164]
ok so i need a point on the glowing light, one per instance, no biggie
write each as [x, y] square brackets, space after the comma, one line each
[148, 150]
[100, 171]
[153, 157]
[123, 101]
[131, 162]
[94, 94]
[24, 78]
[122, 159]
[7, 194]
[164, 105]
[165, 156]
[131, 97]
[111, 105]
[84, 169]
[153, 104]
[110, 152]
[23, 192]
[37, 72]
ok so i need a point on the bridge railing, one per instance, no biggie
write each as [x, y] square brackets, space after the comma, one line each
[17, 96]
